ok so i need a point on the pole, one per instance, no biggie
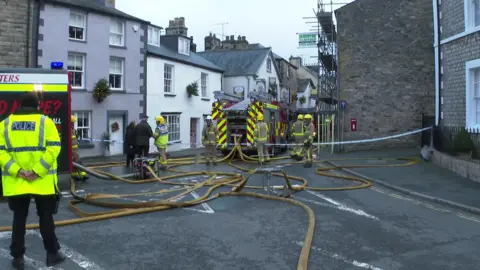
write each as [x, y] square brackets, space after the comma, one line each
[318, 136]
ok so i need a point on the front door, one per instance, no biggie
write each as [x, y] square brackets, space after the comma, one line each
[116, 130]
[193, 132]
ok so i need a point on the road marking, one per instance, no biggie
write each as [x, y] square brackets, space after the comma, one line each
[29, 261]
[205, 206]
[469, 218]
[342, 206]
[329, 205]
[341, 258]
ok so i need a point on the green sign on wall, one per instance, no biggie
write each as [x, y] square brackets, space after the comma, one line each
[307, 39]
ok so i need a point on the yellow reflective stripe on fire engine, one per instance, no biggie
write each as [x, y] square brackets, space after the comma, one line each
[15, 87]
[271, 106]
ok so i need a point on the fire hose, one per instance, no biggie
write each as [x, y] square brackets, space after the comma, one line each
[237, 182]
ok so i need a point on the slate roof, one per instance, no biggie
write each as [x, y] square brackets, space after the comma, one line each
[237, 62]
[303, 83]
[93, 5]
[193, 59]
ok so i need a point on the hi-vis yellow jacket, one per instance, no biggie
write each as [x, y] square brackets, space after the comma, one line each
[29, 140]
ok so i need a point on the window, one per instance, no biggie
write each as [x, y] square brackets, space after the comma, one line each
[472, 16]
[117, 33]
[269, 65]
[204, 83]
[76, 26]
[173, 124]
[83, 125]
[116, 73]
[288, 72]
[76, 65]
[473, 93]
[184, 46]
[153, 36]
[168, 78]
[476, 96]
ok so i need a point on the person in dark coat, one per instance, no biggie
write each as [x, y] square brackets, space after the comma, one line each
[129, 143]
[143, 133]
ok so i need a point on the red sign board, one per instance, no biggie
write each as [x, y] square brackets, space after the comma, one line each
[353, 124]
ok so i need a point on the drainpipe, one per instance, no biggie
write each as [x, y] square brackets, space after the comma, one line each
[436, 46]
[27, 36]
[245, 95]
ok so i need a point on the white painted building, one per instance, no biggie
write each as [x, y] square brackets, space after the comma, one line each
[171, 67]
[246, 70]
[304, 90]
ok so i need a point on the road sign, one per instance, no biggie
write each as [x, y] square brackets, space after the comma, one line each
[343, 104]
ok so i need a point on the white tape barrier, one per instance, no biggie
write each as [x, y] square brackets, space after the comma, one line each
[299, 144]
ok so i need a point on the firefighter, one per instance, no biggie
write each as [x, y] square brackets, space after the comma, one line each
[210, 141]
[161, 141]
[298, 131]
[77, 174]
[260, 137]
[29, 148]
[308, 140]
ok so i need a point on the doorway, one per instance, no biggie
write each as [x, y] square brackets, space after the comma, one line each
[116, 130]
[193, 132]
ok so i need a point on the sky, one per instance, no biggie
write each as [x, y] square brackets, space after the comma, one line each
[261, 21]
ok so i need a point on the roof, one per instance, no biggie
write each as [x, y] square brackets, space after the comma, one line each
[303, 83]
[314, 68]
[256, 46]
[93, 5]
[240, 106]
[237, 62]
[193, 59]
[33, 70]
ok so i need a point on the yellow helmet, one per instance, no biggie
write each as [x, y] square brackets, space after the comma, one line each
[74, 119]
[300, 117]
[260, 117]
[308, 117]
[160, 119]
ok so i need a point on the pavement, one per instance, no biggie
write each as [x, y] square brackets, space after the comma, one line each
[374, 228]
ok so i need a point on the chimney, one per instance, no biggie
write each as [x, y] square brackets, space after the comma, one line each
[244, 38]
[239, 38]
[107, 3]
[232, 38]
[228, 38]
[193, 47]
[296, 61]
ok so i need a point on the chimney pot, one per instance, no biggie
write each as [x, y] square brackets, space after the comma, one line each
[228, 38]
[239, 37]
[244, 38]
[232, 37]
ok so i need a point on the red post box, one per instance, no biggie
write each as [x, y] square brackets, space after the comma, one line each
[353, 124]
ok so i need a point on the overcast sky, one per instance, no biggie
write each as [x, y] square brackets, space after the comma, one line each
[262, 21]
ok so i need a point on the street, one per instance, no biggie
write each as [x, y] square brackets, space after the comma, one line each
[371, 228]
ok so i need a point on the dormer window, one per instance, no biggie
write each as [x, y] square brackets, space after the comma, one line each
[269, 65]
[153, 36]
[184, 46]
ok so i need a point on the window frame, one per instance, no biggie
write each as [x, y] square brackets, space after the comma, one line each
[184, 46]
[288, 71]
[150, 32]
[165, 79]
[269, 65]
[471, 67]
[174, 130]
[122, 34]
[88, 128]
[84, 26]
[469, 13]
[204, 88]
[122, 74]
[83, 57]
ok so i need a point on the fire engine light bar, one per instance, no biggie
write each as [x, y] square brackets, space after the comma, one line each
[37, 87]
[56, 65]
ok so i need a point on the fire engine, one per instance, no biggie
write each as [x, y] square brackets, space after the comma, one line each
[237, 120]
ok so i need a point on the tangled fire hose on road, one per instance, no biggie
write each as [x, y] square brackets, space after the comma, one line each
[236, 181]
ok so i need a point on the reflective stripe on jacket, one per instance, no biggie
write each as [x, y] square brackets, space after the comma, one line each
[29, 141]
[261, 132]
[74, 139]
[298, 129]
[309, 131]
[210, 134]
[161, 134]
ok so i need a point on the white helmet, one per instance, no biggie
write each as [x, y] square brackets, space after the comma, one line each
[209, 118]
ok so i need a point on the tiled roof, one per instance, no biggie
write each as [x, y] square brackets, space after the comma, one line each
[303, 83]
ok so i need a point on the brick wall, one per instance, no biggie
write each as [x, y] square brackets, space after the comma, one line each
[453, 18]
[386, 68]
[13, 33]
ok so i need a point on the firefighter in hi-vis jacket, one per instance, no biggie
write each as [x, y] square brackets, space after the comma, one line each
[77, 174]
[261, 138]
[210, 141]
[308, 140]
[298, 132]
[161, 141]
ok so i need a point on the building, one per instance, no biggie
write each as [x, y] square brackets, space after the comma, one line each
[246, 70]
[386, 69]
[457, 65]
[172, 67]
[287, 75]
[305, 101]
[214, 43]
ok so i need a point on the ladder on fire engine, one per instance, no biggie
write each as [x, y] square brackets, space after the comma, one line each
[260, 96]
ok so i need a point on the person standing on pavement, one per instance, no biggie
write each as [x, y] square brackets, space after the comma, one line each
[161, 141]
[308, 140]
[261, 136]
[298, 131]
[29, 147]
[129, 143]
[210, 140]
[77, 174]
[143, 133]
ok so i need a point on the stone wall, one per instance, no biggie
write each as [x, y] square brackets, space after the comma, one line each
[13, 33]
[386, 69]
[464, 168]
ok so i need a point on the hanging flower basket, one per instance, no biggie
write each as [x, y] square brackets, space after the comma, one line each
[101, 90]
[303, 99]
[115, 127]
[192, 89]
[294, 97]
[272, 92]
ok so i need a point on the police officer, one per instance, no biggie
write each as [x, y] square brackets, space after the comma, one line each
[210, 140]
[261, 137]
[77, 174]
[29, 147]
[298, 131]
[143, 133]
[161, 141]
[308, 140]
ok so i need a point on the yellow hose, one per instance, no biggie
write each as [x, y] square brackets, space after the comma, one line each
[235, 180]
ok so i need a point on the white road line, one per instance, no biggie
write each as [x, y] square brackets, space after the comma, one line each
[341, 258]
[205, 206]
[29, 261]
[469, 218]
[342, 206]
[333, 206]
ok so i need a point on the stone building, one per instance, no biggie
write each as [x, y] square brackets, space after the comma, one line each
[214, 43]
[386, 69]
